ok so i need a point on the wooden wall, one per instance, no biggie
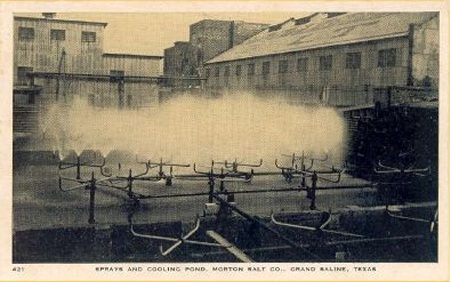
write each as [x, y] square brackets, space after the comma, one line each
[314, 81]
[133, 65]
[43, 54]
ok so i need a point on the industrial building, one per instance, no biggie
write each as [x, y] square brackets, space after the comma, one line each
[58, 59]
[340, 59]
[207, 38]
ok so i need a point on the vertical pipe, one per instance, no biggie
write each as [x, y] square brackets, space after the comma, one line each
[130, 185]
[313, 191]
[78, 168]
[410, 77]
[161, 173]
[303, 183]
[211, 189]
[92, 188]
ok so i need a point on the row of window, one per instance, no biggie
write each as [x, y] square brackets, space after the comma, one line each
[386, 58]
[28, 33]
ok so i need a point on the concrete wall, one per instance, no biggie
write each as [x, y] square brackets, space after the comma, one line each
[211, 36]
[182, 59]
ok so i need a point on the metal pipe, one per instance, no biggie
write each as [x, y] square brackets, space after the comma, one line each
[170, 239]
[406, 217]
[373, 240]
[170, 196]
[311, 192]
[70, 188]
[180, 241]
[238, 253]
[67, 165]
[78, 168]
[309, 228]
[262, 224]
[92, 189]
[251, 191]
[333, 243]
[325, 224]
[342, 233]
[362, 186]
[434, 222]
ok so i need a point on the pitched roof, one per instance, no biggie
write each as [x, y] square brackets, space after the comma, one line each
[306, 33]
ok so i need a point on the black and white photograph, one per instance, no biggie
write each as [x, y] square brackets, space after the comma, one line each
[224, 140]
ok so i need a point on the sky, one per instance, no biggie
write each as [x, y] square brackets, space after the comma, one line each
[151, 33]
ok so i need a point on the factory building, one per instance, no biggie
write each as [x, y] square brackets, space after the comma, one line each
[181, 61]
[56, 58]
[340, 59]
[207, 38]
[213, 37]
[59, 59]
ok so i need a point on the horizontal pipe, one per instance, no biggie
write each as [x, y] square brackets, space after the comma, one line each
[108, 77]
[169, 239]
[407, 218]
[142, 196]
[345, 242]
[263, 225]
[171, 196]
[375, 240]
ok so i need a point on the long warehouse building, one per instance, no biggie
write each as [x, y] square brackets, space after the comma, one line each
[333, 58]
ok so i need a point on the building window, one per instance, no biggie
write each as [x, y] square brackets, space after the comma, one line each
[217, 72]
[238, 70]
[88, 36]
[227, 71]
[251, 69]
[386, 58]
[116, 75]
[22, 75]
[353, 61]
[302, 64]
[26, 33]
[283, 66]
[266, 68]
[325, 62]
[58, 34]
[207, 73]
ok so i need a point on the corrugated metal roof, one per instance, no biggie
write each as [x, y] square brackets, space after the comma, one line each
[344, 29]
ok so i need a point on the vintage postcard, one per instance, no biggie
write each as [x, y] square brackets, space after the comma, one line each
[205, 140]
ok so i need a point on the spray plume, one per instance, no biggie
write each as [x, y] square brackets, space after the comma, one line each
[192, 129]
